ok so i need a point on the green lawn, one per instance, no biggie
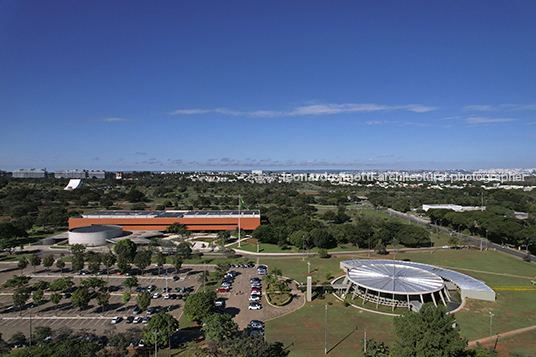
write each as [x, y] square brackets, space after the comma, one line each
[303, 331]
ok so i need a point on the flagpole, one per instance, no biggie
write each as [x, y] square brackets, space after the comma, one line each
[238, 221]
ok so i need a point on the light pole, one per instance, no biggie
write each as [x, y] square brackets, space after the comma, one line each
[204, 278]
[369, 244]
[486, 239]
[155, 343]
[365, 349]
[308, 267]
[326, 333]
[527, 248]
[490, 327]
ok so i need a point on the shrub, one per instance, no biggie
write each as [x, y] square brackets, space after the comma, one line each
[323, 253]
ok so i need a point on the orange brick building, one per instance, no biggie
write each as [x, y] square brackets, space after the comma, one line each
[158, 220]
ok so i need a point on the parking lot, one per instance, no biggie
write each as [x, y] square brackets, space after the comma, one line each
[237, 300]
[90, 319]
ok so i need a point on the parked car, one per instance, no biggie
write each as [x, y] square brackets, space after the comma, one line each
[254, 306]
[129, 319]
[256, 324]
[219, 302]
[156, 295]
[151, 311]
[117, 319]
[167, 296]
[137, 310]
[256, 332]
[254, 298]
[152, 288]
[146, 319]
[176, 278]
[256, 292]
[137, 319]
[223, 289]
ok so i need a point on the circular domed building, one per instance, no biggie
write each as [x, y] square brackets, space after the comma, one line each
[406, 284]
[94, 235]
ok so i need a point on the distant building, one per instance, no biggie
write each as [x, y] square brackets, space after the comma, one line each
[80, 174]
[455, 208]
[208, 221]
[31, 173]
[73, 184]
[119, 175]
[2, 173]
[256, 172]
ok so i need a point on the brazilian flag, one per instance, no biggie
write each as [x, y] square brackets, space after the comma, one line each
[241, 203]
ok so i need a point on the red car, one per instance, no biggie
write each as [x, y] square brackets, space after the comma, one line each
[223, 289]
[256, 290]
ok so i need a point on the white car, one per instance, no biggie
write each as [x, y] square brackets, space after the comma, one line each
[137, 319]
[254, 306]
[156, 295]
[167, 296]
[117, 319]
[255, 292]
[254, 298]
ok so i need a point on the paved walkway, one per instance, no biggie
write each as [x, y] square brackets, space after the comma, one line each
[484, 341]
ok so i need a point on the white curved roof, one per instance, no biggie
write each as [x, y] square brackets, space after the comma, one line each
[463, 281]
[391, 277]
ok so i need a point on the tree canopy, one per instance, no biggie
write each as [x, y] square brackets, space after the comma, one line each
[199, 306]
[162, 323]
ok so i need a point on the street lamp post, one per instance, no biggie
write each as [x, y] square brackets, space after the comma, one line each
[326, 333]
[369, 244]
[527, 248]
[155, 343]
[490, 327]
[204, 277]
[308, 267]
[486, 239]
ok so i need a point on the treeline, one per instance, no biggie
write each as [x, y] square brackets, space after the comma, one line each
[499, 228]
[302, 229]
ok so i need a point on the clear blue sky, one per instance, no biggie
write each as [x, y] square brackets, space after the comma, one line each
[211, 85]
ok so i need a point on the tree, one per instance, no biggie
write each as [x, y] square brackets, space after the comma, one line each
[78, 249]
[142, 259]
[16, 281]
[40, 333]
[126, 248]
[219, 327]
[78, 262]
[183, 250]
[23, 263]
[55, 298]
[35, 260]
[103, 300]
[4, 347]
[11, 236]
[63, 284]
[37, 297]
[41, 284]
[429, 332]
[126, 297]
[223, 236]
[375, 349]
[144, 300]
[123, 265]
[80, 298]
[94, 261]
[48, 261]
[93, 282]
[164, 324]
[130, 282]
[20, 296]
[60, 264]
[160, 260]
[134, 196]
[18, 338]
[108, 260]
[199, 305]
[177, 263]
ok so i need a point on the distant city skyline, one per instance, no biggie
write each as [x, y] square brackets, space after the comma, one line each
[310, 85]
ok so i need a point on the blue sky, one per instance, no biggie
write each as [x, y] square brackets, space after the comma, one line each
[224, 85]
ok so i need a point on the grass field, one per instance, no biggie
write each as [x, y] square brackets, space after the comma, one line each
[303, 331]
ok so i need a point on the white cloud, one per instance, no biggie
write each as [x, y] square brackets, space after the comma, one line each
[114, 119]
[499, 107]
[315, 109]
[485, 120]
